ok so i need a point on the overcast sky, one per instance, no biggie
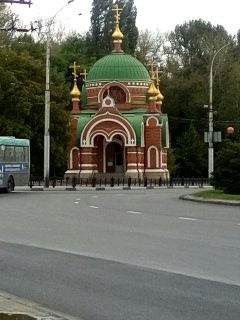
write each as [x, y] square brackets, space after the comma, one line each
[152, 14]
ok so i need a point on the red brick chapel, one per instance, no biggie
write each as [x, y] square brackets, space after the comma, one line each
[117, 124]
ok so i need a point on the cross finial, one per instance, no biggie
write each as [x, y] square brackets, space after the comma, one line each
[74, 67]
[118, 12]
[152, 64]
[84, 74]
[158, 72]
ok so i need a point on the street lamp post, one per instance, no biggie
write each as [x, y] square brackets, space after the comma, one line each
[210, 114]
[47, 102]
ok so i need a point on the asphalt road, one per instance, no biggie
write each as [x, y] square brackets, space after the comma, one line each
[122, 254]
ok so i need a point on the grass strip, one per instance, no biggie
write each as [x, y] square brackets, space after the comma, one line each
[217, 194]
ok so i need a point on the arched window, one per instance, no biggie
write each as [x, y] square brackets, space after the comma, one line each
[116, 93]
[153, 157]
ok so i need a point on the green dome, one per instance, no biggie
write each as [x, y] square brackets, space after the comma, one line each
[118, 66]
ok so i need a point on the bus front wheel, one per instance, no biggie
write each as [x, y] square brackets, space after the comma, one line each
[10, 185]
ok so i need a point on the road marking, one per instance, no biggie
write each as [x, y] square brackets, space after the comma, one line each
[135, 212]
[94, 196]
[76, 202]
[186, 218]
[78, 199]
[93, 207]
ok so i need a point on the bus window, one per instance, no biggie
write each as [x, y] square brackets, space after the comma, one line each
[26, 154]
[2, 148]
[9, 153]
[20, 154]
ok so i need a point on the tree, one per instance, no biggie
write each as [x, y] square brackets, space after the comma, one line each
[22, 87]
[185, 81]
[128, 25]
[7, 18]
[226, 175]
[191, 155]
[73, 48]
[150, 45]
[99, 37]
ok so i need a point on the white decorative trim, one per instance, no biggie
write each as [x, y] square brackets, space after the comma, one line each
[155, 118]
[110, 105]
[89, 165]
[142, 135]
[167, 135]
[72, 171]
[134, 87]
[71, 157]
[138, 97]
[135, 164]
[162, 154]
[87, 171]
[149, 159]
[134, 152]
[111, 137]
[90, 142]
[92, 97]
[155, 170]
[88, 153]
[135, 170]
[117, 84]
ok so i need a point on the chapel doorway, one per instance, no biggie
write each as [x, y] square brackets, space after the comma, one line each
[114, 157]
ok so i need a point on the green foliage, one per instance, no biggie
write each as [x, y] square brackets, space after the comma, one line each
[22, 88]
[216, 194]
[185, 58]
[150, 45]
[173, 167]
[73, 48]
[191, 156]
[226, 174]
[128, 25]
[189, 55]
[6, 19]
[99, 37]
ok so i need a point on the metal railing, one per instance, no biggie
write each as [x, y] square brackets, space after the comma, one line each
[119, 182]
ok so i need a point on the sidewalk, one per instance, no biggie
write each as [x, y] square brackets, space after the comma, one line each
[25, 310]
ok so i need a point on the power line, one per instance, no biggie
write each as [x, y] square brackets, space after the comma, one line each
[17, 2]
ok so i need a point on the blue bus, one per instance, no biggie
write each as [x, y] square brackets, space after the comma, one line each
[14, 163]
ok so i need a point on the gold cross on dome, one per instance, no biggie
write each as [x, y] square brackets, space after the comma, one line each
[84, 74]
[74, 67]
[118, 11]
[158, 73]
[152, 64]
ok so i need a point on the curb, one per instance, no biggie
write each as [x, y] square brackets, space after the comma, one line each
[12, 305]
[210, 201]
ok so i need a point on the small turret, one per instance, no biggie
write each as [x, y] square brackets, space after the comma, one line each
[160, 97]
[75, 92]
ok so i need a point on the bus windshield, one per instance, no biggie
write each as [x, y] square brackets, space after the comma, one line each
[14, 162]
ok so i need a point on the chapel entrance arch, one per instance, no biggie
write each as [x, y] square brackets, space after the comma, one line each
[110, 155]
[114, 156]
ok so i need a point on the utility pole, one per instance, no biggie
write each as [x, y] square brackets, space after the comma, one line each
[210, 115]
[46, 169]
